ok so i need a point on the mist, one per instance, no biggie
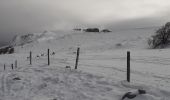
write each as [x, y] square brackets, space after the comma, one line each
[29, 16]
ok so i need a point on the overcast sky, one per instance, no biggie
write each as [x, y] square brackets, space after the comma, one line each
[17, 16]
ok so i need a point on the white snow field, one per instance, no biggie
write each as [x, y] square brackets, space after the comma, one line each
[101, 73]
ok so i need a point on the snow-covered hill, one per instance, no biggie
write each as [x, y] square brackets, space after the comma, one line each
[101, 73]
[132, 39]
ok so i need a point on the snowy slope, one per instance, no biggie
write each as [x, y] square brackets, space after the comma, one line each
[136, 38]
[101, 72]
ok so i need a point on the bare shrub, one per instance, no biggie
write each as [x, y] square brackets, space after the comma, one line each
[161, 38]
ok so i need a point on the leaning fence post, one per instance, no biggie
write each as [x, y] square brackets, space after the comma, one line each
[15, 63]
[30, 58]
[77, 58]
[128, 66]
[48, 56]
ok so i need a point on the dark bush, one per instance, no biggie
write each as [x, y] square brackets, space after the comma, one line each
[77, 29]
[106, 30]
[7, 50]
[161, 39]
[11, 50]
[91, 30]
[4, 50]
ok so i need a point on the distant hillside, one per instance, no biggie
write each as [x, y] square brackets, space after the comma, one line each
[123, 39]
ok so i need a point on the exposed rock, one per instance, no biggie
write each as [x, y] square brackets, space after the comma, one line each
[16, 78]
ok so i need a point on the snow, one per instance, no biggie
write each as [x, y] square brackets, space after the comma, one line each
[101, 72]
[61, 84]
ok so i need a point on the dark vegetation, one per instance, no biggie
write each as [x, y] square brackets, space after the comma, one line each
[161, 38]
[105, 30]
[77, 29]
[7, 50]
[92, 30]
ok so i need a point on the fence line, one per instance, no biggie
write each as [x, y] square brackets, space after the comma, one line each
[76, 62]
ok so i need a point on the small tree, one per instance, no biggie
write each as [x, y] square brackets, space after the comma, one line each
[161, 38]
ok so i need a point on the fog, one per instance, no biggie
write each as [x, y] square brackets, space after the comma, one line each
[25, 16]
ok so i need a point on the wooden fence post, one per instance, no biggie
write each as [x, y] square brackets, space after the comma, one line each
[77, 58]
[48, 56]
[12, 66]
[15, 63]
[30, 58]
[4, 67]
[128, 66]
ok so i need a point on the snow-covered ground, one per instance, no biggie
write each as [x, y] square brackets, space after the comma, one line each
[101, 74]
